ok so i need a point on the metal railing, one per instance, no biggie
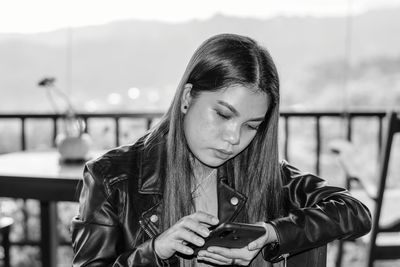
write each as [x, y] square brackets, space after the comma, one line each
[348, 119]
[287, 117]
[23, 117]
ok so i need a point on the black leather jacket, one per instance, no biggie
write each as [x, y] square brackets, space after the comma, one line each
[120, 211]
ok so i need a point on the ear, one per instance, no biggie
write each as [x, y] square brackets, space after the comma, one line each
[186, 97]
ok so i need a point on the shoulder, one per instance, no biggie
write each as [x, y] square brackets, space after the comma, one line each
[291, 174]
[289, 171]
[308, 187]
[116, 164]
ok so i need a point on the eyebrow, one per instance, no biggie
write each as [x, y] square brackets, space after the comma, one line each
[234, 111]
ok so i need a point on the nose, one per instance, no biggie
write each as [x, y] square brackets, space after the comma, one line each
[231, 134]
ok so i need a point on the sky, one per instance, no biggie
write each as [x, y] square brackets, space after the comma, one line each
[30, 16]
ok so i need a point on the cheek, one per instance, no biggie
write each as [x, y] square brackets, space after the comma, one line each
[245, 141]
[200, 128]
[208, 123]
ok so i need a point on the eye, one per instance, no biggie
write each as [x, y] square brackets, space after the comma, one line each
[223, 115]
[253, 127]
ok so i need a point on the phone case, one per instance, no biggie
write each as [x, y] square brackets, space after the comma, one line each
[232, 235]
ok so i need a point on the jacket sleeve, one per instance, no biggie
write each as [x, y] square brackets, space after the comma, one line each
[317, 214]
[97, 237]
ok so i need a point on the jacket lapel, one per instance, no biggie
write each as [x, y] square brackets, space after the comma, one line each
[151, 167]
[150, 220]
[230, 202]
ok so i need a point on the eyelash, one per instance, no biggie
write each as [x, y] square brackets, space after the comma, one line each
[225, 117]
[252, 127]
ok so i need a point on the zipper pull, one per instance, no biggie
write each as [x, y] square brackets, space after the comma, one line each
[285, 256]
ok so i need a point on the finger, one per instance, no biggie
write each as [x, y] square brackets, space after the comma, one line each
[196, 227]
[255, 245]
[214, 258]
[258, 243]
[190, 237]
[212, 261]
[179, 247]
[226, 252]
[261, 241]
[260, 223]
[205, 218]
[232, 253]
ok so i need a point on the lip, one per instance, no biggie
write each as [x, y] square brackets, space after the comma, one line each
[223, 154]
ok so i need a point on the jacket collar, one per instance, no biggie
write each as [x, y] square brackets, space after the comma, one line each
[151, 166]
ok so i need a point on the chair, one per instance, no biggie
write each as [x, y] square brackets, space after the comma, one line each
[5, 225]
[383, 242]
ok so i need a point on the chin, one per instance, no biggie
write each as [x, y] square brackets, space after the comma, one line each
[213, 162]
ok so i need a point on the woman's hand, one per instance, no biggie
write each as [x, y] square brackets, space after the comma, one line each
[238, 256]
[190, 229]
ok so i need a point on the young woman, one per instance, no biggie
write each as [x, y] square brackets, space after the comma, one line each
[213, 158]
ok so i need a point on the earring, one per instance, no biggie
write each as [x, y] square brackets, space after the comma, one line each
[184, 109]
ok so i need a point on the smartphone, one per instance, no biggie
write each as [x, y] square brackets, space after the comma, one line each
[231, 235]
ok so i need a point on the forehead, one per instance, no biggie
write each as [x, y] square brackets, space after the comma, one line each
[247, 101]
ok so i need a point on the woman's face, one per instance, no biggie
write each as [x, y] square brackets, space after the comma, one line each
[219, 125]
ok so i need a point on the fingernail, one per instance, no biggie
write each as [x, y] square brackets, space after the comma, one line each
[206, 232]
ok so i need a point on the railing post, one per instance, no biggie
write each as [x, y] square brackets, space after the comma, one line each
[85, 120]
[348, 121]
[380, 133]
[23, 134]
[149, 122]
[55, 131]
[318, 147]
[116, 131]
[348, 118]
[286, 143]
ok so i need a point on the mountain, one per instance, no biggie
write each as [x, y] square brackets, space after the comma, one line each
[152, 56]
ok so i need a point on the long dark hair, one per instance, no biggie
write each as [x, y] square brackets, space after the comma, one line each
[221, 61]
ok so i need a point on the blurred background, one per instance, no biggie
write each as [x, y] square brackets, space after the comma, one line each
[128, 57]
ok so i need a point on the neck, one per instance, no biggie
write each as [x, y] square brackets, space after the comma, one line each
[200, 170]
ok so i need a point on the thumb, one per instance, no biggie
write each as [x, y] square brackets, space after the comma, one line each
[270, 236]
[255, 245]
[260, 242]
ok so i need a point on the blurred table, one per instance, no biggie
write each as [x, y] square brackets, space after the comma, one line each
[40, 175]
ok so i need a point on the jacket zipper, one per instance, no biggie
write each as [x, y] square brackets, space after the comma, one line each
[147, 231]
[143, 225]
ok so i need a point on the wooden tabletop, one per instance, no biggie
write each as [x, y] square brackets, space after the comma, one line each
[39, 175]
[38, 164]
